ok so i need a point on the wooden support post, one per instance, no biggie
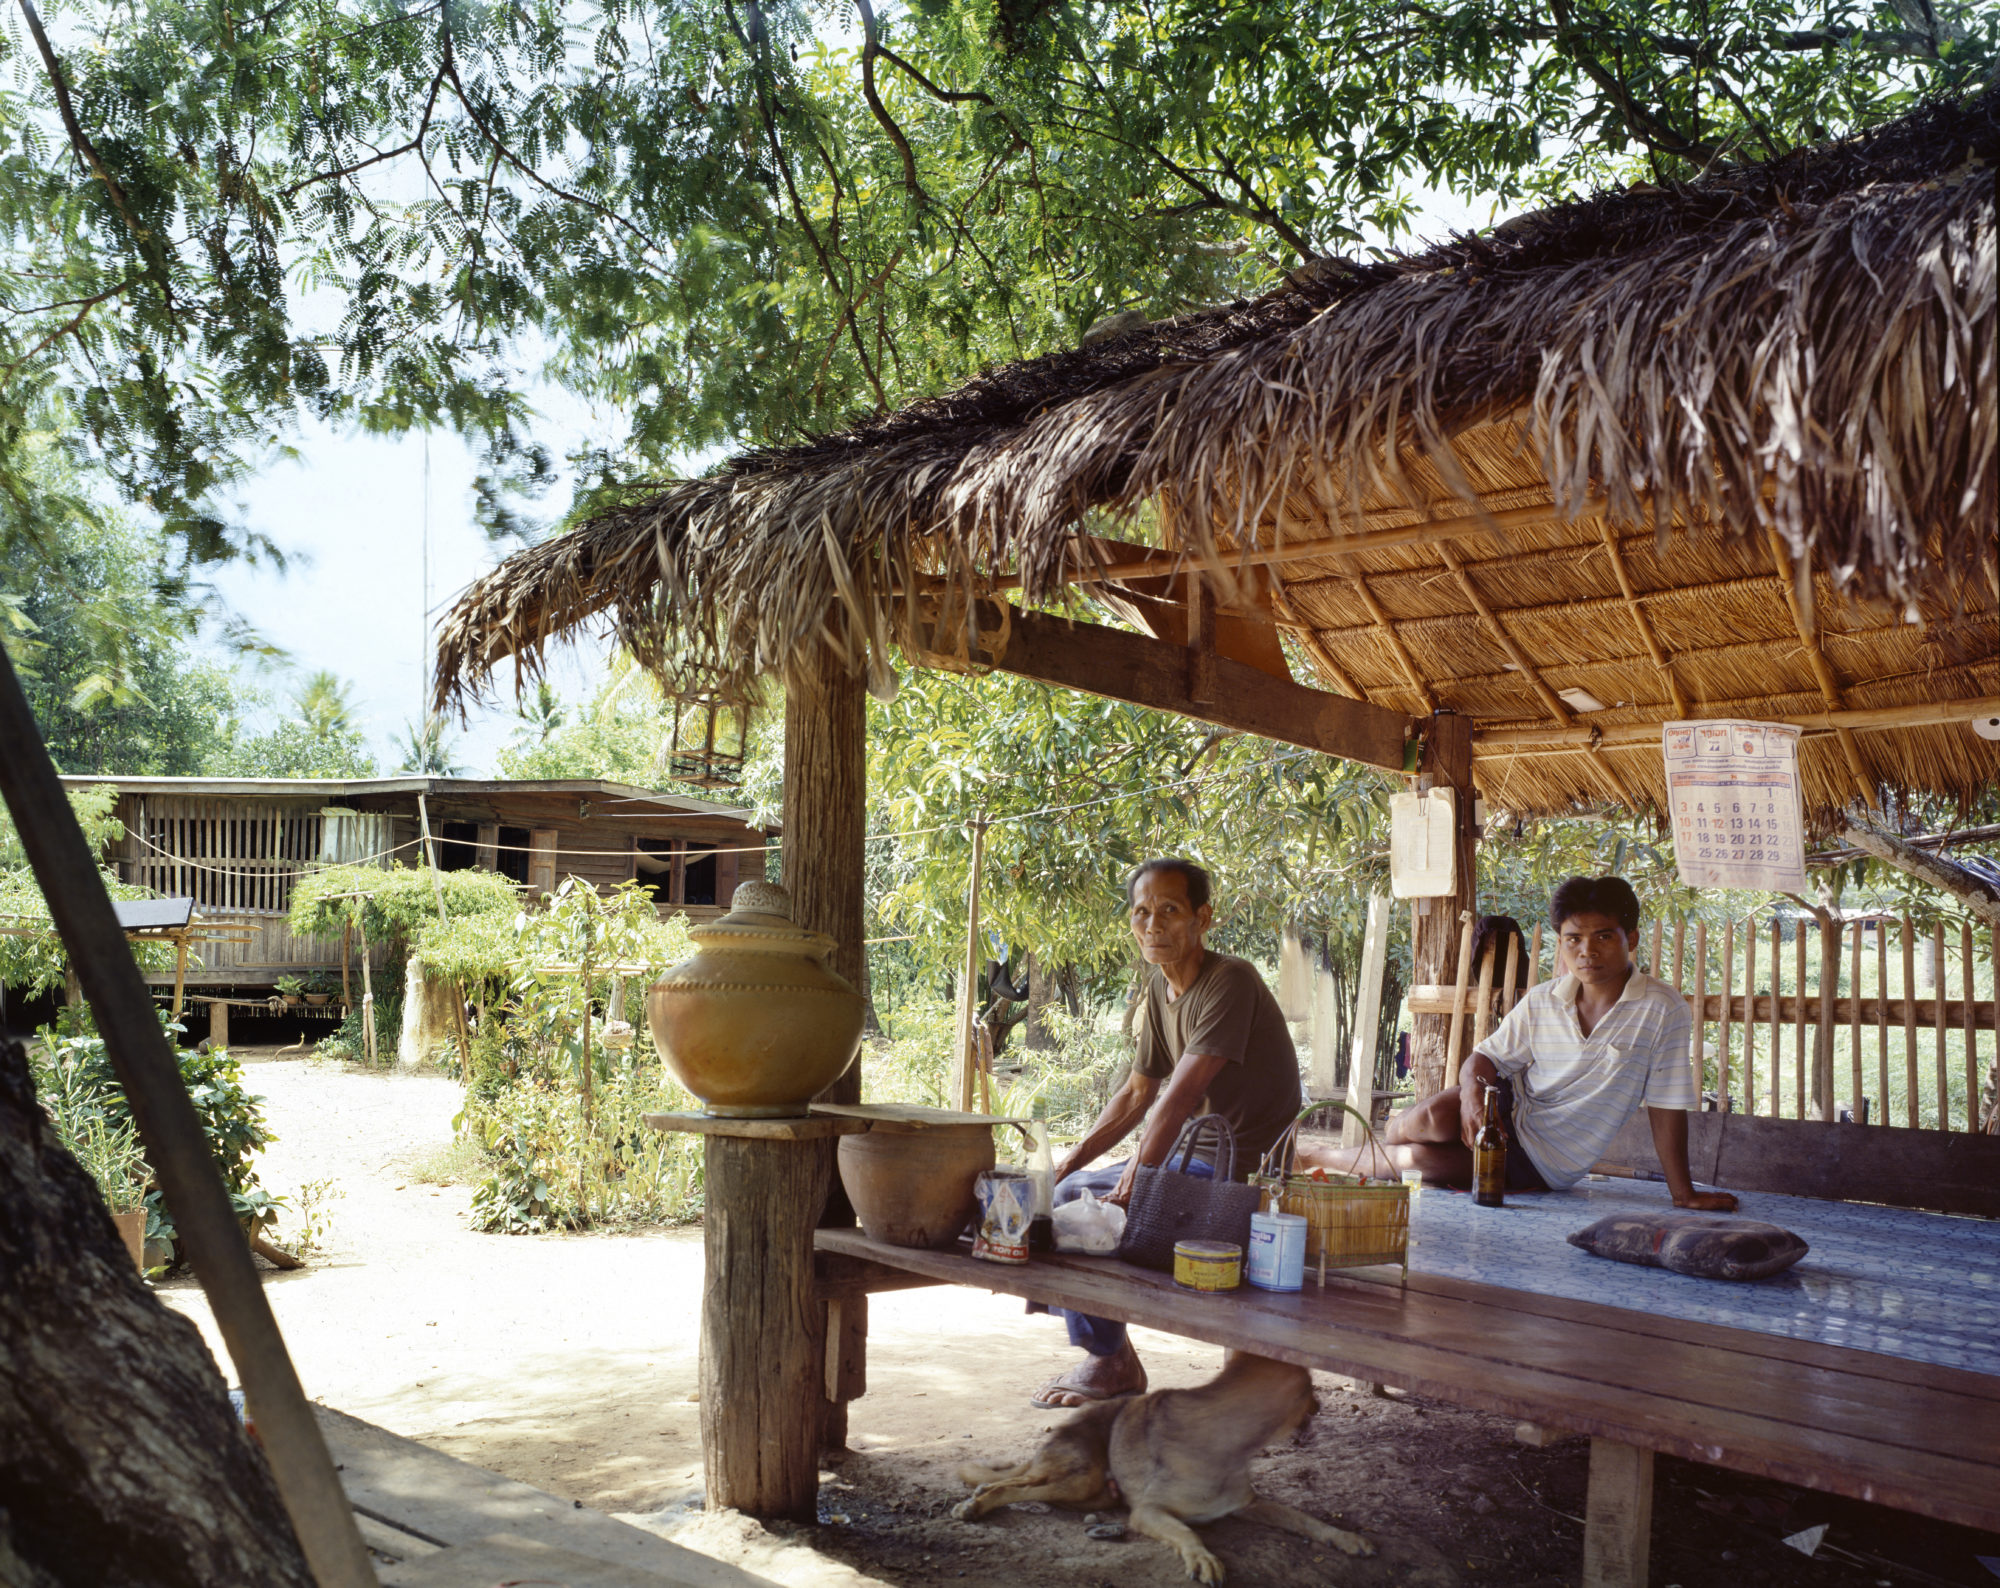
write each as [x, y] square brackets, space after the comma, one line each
[181, 969]
[969, 1066]
[1618, 1516]
[218, 1023]
[763, 1330]
[824, 865]
[1201, 639]
[1447, 761]
[1909, 1025]
[346, 959]
[367, 988]
[1367, 1017]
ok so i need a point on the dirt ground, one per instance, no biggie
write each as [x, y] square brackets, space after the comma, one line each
[569, 1362]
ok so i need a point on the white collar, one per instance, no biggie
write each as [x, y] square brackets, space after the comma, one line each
[1567, 987]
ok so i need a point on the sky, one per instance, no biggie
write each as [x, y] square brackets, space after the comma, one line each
[355, 514]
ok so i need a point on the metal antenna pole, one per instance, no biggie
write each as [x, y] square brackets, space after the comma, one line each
[67, 873]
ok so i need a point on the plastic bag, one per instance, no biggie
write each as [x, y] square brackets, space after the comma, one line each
[1088, 1225]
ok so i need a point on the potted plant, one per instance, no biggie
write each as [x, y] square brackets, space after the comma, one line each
[319, 989]
[110, 1154]
[291, 989]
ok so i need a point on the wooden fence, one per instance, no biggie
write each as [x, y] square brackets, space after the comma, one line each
[1771, 992]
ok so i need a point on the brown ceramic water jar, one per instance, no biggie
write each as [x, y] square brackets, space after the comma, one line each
[755, 1025]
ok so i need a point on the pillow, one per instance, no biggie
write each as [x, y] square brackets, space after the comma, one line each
[1694, 1243]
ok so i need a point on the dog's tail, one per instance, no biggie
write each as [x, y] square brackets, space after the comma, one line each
[973, 1475]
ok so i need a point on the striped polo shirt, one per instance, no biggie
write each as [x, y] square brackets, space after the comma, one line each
[1573, 1093]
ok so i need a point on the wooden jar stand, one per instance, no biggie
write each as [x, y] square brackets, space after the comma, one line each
[764, 1325]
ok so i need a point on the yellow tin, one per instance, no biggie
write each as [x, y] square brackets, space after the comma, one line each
[1207, 1265]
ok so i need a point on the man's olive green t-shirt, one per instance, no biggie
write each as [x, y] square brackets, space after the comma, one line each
[1228, 1013]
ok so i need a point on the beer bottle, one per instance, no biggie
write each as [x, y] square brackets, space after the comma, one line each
[1489, 1156]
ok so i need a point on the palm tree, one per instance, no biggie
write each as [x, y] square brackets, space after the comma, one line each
[324, 704]
[541, 716]
[426, 750]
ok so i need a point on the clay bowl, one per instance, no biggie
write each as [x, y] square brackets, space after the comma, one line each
[913, 1185]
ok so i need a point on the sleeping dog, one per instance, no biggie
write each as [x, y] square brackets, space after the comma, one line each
[1176, 1457]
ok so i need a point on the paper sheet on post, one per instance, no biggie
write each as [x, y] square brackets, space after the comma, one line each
[1734, 788]
[1423, 845]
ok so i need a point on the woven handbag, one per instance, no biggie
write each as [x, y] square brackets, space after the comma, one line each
[1169, 1204]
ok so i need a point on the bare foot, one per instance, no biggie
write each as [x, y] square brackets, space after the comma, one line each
[1095, 1378]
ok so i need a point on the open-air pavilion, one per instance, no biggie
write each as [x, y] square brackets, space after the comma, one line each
[1724, 450]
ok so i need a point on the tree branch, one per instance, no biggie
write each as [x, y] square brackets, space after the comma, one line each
[870, 48]
[78, 138]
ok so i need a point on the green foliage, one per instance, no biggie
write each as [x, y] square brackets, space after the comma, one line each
[429, 750]
[744, 222]
[391, 905]
[33, 960]
[295, 749]
[74, 1078]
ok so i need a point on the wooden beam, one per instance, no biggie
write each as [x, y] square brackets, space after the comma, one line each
[1315, 647]
[1498, 740]
[1822, 669]
[1641, 621]
[1618, 1516]
[1148, 672]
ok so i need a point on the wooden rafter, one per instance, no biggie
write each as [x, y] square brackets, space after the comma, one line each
[1387, 629]
[1287, 617]
[1869, 718]
[1641, 621]
[1822, 670]
[1556, 706]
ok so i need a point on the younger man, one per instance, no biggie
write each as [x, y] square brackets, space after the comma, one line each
[1572, 1061]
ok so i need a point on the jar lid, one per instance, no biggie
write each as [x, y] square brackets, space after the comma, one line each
[1213, 1251]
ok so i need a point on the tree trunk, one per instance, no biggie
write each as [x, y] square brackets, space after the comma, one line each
[1448, 760]
[121, 1461]
[1043, 990]
[1968, 887]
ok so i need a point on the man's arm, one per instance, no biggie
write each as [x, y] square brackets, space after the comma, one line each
[1126, 1107]
[1670, 1143]
[1186, 1087]
[1474, 1076]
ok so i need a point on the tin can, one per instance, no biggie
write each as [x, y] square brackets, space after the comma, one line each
[1006, 1204]
[1208, 1265]
[1277, 1251]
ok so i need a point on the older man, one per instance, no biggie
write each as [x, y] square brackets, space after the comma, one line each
[1211, 1040]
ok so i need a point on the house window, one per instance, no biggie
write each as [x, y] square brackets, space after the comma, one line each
[653, 865]
[457, 846]
[698, 874]
[511, 861]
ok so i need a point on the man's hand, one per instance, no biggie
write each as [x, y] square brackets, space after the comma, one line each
[1471, 1116]
[1121, 1193]
[1707, 1202]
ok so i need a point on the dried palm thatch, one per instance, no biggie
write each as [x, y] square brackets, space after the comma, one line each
[1728, 448]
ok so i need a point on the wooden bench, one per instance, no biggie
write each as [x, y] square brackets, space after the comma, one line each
[1855, 1423]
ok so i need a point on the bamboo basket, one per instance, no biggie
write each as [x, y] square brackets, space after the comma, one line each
[1351, 1222]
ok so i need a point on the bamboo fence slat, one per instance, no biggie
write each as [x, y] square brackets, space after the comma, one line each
[1971, 973]
[1535, 957]
[1701, 1000]
[1909, 1024]
[1854, 1027]
[1777, 1027]
[1750, 1014]
[1728, 993]
[1513, 971]
[1653, 960]
[1799, 1033]
[1939, 1059]
[1680, 950]
[1882, 1020]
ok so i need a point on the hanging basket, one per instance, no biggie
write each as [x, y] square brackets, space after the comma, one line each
[1351, 1221]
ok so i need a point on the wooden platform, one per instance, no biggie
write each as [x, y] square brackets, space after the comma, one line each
[1856, 1423]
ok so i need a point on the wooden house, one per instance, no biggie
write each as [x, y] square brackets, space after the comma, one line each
[236, 846]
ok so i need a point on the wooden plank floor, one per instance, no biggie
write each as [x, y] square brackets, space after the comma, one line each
[1873, 1427]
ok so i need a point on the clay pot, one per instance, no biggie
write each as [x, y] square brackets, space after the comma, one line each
[912, 1185]
[132, 1229]
[755, 1025]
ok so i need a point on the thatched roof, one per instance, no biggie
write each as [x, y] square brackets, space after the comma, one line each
[1732, 447]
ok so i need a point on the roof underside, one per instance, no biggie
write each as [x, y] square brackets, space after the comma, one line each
[1656, 409]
